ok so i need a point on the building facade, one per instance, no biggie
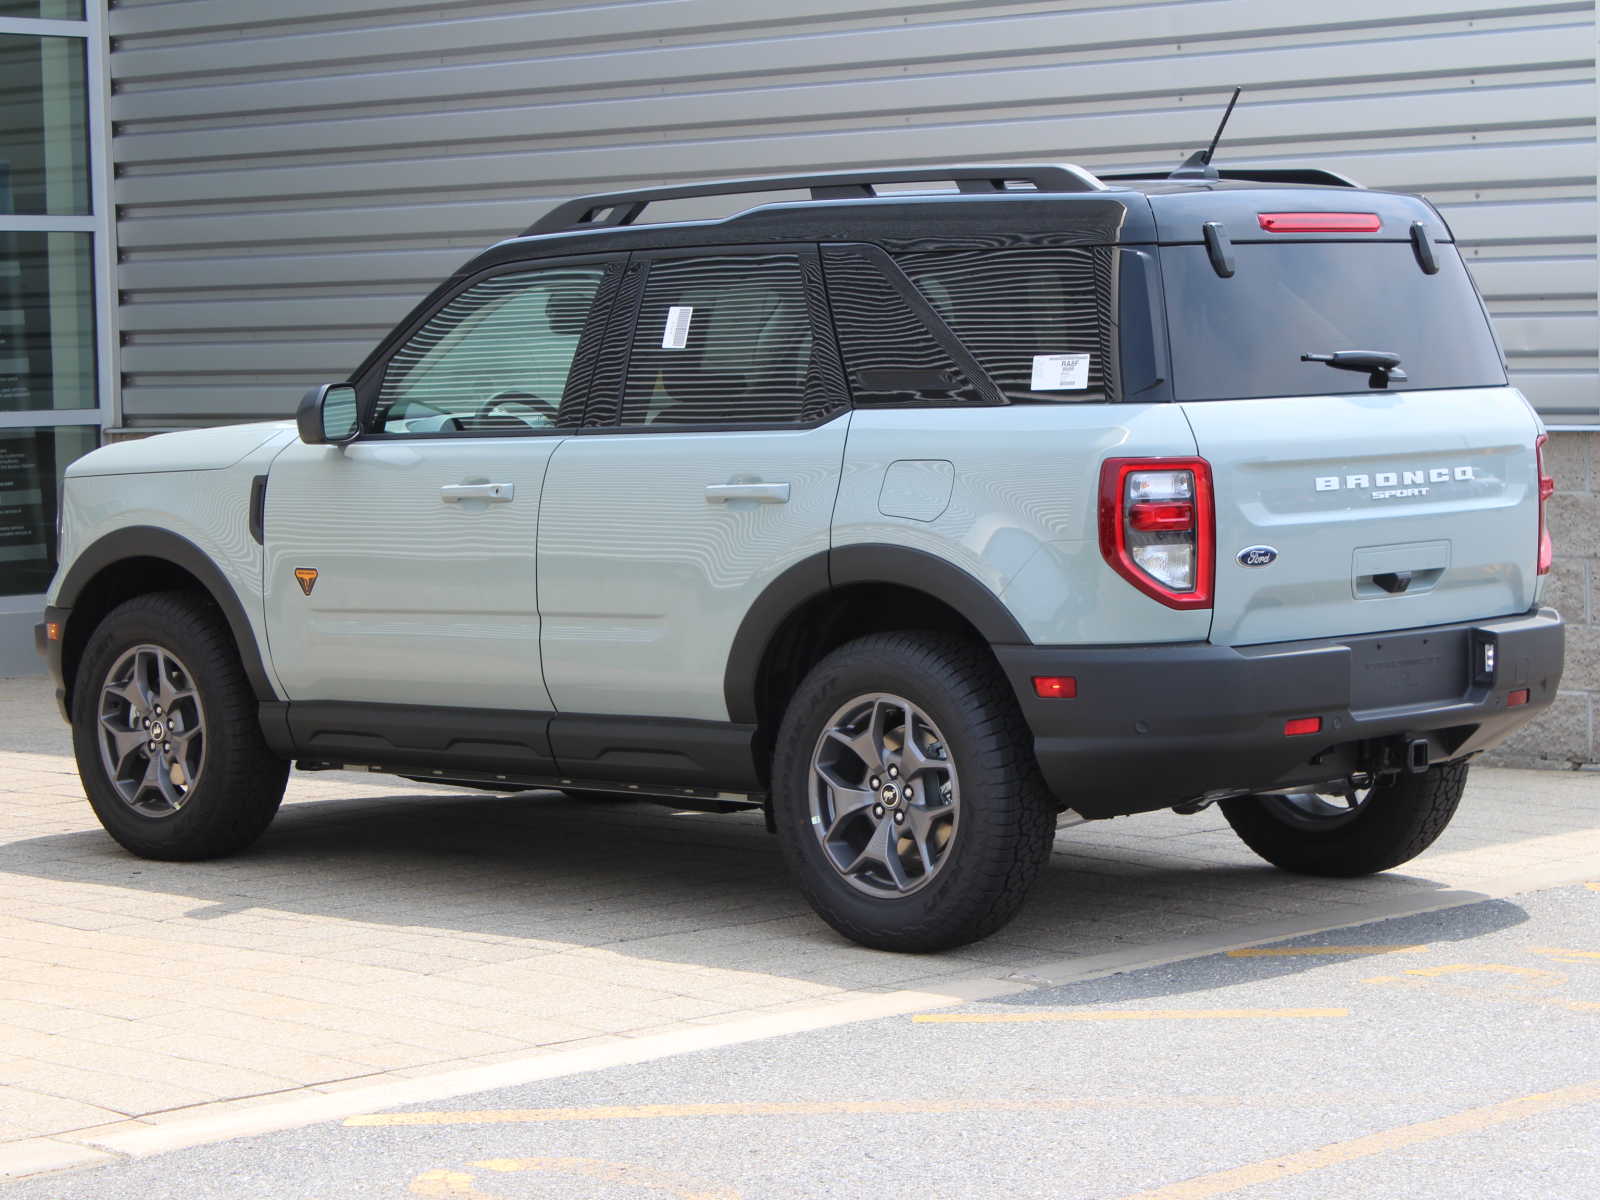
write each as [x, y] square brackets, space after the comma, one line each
[237, 199]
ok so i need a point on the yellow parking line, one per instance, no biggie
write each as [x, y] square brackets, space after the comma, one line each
[1564, 954]
[1316, 951]
[1469, 1120]
[1129, 1014]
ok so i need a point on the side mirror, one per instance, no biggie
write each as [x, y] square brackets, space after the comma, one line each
[328, 415]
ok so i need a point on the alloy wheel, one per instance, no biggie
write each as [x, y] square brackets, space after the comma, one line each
[151, 730]
[885, 796]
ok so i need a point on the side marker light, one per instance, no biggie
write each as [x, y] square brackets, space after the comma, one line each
[1055, 687]
[1517, 698]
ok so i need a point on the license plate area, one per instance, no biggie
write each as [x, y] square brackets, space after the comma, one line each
[1393, 670]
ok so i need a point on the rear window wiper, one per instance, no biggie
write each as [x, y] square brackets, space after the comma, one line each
[1380, 365]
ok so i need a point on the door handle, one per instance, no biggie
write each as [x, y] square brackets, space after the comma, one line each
[495, 493]
[765, 493]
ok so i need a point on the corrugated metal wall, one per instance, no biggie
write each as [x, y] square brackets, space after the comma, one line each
[291, 176]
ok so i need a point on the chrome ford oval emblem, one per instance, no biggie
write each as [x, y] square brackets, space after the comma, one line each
[1257, 556]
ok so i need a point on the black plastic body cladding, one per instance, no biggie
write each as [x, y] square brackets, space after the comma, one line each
[1153, 726]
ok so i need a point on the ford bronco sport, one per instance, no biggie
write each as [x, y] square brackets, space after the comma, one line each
[924, 520]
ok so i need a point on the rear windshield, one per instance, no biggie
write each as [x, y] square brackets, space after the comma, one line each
[1242, 337]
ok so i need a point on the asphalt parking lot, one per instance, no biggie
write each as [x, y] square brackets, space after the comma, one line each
[388, 944]
[1441, 1055]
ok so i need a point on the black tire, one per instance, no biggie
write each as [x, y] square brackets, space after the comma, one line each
[1396, 822]
[239, 782]
[1006, 815]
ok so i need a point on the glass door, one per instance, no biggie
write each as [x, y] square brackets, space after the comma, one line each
[54, 261]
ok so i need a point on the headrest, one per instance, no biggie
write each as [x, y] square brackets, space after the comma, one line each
[567, 311]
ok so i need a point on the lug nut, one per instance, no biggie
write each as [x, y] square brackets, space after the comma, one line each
[877, 810]
[875, 783]
[910, 795]
[899, 818]
[147, 722]
[150, 748]
[894, 771]
[158, 710]
[167, 746]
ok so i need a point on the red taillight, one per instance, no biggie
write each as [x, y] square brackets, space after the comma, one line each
[1547, 488]
[1055, 687]
[1156, 527]
[1517, 698]
[1149, 516]
[1320, 222]
[1300, 726]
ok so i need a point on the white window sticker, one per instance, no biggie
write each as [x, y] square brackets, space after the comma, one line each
[675, 335]
[1060, 373]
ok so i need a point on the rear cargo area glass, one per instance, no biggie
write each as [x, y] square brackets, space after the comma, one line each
[1242, 337]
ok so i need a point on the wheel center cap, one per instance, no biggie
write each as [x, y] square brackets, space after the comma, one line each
[158, 732]
[890, 797]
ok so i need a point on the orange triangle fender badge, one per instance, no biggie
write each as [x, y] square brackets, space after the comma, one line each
[307, 577]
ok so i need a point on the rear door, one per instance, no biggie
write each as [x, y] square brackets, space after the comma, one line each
[703, 472]
[1346, 507]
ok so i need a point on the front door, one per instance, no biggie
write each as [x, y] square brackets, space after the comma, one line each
[400, 569]
[703, 475]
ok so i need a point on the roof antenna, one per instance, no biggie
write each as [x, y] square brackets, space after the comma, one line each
[1198, 165]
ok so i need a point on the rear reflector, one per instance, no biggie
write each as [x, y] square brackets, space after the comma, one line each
[1302, 725]
[1055, 687]
[1324, 222]
[1517, 698]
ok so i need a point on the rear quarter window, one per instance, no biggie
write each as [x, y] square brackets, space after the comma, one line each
[1013, 307]
[1241, 337]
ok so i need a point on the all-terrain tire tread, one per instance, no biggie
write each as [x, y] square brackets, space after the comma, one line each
[996, 879]
[1400, 821]
[242, 781]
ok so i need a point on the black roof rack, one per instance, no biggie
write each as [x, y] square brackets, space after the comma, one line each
[1314, 175]
[623, 208]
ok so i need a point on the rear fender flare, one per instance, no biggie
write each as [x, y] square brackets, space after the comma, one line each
[870, 562]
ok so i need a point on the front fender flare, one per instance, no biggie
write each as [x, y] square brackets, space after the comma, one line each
[149, 541]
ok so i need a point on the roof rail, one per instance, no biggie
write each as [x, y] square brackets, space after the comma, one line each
[609, 209]
[1315, 175]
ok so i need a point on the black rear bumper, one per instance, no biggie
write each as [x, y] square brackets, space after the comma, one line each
[1154, 726]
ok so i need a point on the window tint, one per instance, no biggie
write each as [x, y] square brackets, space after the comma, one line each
[494, 358]
[891, 356]
[1242, 337]
[1037, 320]
[723, 341]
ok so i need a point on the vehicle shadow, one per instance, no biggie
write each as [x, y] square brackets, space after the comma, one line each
[709, 891]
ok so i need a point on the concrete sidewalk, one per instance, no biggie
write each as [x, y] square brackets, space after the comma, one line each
[383, 930]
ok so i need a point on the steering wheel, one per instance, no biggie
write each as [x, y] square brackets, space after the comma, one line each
[526, 399]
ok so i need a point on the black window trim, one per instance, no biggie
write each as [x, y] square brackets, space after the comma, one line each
[369, 381]
[622, 330]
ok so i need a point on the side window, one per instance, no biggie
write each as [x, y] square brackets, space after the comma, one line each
[724, 340]
[892, 358]
[1039, 321]
[494, 358]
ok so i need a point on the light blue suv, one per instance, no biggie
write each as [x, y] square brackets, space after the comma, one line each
[926, 521]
